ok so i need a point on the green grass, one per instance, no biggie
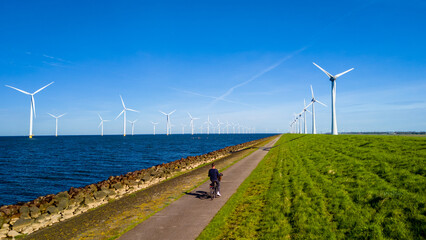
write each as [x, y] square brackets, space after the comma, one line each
[334, 187]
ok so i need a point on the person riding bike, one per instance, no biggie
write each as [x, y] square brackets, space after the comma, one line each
[215, 177]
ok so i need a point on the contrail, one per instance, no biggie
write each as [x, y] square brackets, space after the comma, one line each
[268, 69]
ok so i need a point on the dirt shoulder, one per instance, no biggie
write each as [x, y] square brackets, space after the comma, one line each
[116, 217]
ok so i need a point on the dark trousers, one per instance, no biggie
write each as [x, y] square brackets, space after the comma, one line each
[218, 185]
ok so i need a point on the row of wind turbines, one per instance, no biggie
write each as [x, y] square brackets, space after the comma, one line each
[124, 113]
[295, 125]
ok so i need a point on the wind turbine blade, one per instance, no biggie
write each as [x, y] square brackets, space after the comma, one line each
[308, 105]
[189, 115]
[172, 112]
[328, 74]
[51, 115]
[163, 113]
[312, 91]
[340, 74]
[61, 115]
[22, 91]
[42, 88]
[100, 117]
[131, 110]
[100, 124]
[122, 102]
[321, 103]
[308, 111]
[33, 103]
[120, 114]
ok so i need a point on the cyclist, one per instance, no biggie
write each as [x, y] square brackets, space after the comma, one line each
[214, 177]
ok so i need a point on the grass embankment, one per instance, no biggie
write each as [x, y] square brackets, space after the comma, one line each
[334, 187]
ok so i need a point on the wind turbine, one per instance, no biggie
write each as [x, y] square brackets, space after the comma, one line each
[305, 109]
[124, 111]
[313, 101]
[208, 124]
[168, 124]
[218, 124]
[32, 110]
[333, 97]
[191, 123]
[154, 123]
[56, 132]
[227, 127]
[101, 124]
[183, 128]
[133, 125]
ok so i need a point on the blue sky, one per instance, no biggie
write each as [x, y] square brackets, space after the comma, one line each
[239, 61]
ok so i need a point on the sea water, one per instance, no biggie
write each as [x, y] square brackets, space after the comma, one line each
[35, 167]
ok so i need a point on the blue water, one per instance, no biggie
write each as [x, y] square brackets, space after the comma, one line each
[44, 165]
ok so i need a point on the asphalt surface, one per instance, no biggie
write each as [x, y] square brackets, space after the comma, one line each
[186, 217]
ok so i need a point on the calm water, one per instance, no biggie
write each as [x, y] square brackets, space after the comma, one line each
[43, 165]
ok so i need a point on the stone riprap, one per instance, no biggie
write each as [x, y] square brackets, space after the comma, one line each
[44, 211]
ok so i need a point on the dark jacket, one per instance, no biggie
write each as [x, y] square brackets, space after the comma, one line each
[214, 174]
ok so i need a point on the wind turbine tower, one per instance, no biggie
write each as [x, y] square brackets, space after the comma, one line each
[133, 125]
[101, 124]
[313, 101]
[56, 117]
[208, 124]
[32, 110]
[124, 115]
[168, 124]
[191, 123]
[333, 97]
[154, 123]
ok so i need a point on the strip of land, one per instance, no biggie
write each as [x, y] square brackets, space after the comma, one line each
[188, 216]
[330, 187]
[118, 216]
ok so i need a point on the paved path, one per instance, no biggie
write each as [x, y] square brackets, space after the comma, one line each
[188, 216]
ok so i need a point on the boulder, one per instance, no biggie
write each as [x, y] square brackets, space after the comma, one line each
[52, 209]
[13, 234]
[34, 212]
[21, 224]
[88, 200]
[63, 204]
[25, 212]
[99, 195]
[146, 177]
[117, 186]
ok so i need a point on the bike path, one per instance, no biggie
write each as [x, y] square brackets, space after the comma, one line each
[186, 217]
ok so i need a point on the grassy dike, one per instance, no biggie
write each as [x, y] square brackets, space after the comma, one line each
[330, 187]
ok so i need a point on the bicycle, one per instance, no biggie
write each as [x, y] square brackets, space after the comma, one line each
[213, 190]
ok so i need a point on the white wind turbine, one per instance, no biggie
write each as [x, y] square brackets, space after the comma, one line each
[168, 124]
[101, 124]
[305, 109]
[56, 117]
[32, 110]
[208, 124]
[124, 111]
[133, 125]
[218, 125]
[154, 123]
[333, 97]
[227, 127]
[183, 128]
[313, 101]
[191, 123]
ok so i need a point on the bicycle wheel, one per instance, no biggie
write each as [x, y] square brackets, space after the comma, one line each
[212, 192]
